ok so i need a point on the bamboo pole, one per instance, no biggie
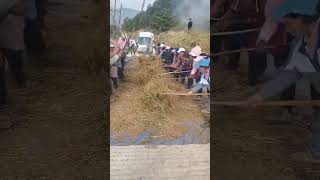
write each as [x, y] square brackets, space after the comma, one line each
[120, 16]
[172, 77]
[185, 94]
[235, 32]
[174, 72]
[267, 103]
[114, 17]
[242, 50]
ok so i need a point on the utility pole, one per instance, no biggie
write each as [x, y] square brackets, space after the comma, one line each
[120, 16]
[149, 21]
[114, 16]
[140, 12]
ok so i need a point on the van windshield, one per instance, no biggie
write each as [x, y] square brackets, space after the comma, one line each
[144, 40]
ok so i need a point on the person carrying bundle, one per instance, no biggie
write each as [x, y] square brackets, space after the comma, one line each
[301, 19]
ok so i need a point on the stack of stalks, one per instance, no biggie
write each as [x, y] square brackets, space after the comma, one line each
[147, 76]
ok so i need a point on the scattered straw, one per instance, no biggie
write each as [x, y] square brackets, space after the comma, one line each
[141, 107]
[186, 40]
[148, 69]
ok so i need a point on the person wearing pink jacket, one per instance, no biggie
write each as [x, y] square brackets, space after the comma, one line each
[272, 33]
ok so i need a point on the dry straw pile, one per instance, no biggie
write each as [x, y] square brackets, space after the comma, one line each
[141, 107]
[151, 85]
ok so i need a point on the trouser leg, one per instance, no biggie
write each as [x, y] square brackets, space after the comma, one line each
[256, 67]
[233, 59]
[115, 82]
[288, 94]
[315, 125]
[3, 85]
[190, 82]
[15, 61]
[121, 73]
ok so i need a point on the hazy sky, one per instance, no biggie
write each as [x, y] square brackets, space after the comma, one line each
[133, 4]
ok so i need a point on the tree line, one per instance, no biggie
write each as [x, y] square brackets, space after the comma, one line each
[157, 17]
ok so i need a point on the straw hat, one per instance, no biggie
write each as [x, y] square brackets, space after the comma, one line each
[196, 51]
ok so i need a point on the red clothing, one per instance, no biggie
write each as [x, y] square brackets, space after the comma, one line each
[219, 7]
[181, 60]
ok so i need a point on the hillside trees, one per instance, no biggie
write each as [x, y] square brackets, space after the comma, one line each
[158, 17]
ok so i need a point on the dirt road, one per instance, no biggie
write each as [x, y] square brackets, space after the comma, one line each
[58, 128]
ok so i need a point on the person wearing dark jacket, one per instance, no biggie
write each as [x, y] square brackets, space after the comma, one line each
[189, 25]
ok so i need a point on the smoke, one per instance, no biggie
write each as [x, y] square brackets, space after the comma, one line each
[198, 10]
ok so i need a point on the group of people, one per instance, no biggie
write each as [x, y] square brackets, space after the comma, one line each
[21, 25]
[192, 65]
[289, 30]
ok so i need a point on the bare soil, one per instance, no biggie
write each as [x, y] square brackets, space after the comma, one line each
[58, 129]
[250, 143]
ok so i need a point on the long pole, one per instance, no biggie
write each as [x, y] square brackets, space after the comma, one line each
[243, 50]
[235, 32]
[178, 72]
[185, 94]
[139, 16]
[114, 16]
[267, 103]
[120, 16]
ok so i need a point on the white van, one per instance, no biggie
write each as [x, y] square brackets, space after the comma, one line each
[145, 42]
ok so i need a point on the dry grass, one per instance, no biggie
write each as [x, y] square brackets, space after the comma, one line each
[141, 107]
[151, 98]
[149, 68]
[185, 40]
[152, 86]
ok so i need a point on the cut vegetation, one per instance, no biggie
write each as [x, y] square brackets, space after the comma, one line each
[140, 108]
